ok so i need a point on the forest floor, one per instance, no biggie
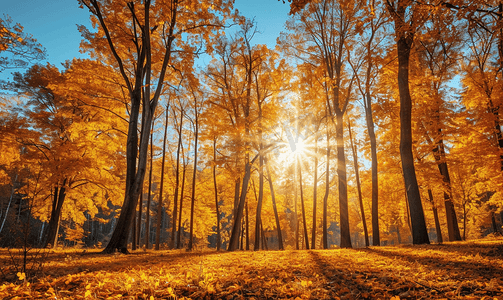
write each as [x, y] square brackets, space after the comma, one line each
[459, 270]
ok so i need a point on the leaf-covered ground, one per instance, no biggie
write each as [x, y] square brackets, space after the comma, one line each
[462, 270]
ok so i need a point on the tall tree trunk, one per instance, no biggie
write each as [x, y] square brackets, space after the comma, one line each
[327, 191]
[296, 216]
[404, 43]
[306, 237]
[315, 190]
[136, 154]
[177, 184]
[376, 240]
[179, 232]
[496, 109]
[10, 202]
[161, 189]
[259, 200]
[53, 226]
[435, 217]
[246, 232]
[234, 239]
[133, 233]
[264, 239]
[343, 188]
[194, 173]
[140, 215]
[219, 239]
[450, 212]
[358, 186]
[276, 217]
[149, 200]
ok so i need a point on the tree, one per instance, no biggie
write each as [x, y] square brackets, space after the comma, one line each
[61, 127]
[21, 48]
[153, 44]
[370, 48]
[357, 175]
[195, 123]
[161, 189]
[405, 30]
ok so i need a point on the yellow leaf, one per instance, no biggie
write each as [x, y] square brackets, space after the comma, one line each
[21, 276]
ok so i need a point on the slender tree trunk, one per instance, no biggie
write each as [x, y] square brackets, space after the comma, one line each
[450, 212]
[246, 232]
[276, 217]
[259, 200]
[133, 233]
[358, 186]
[343, 188]
[177, 184]
[237, 187]
[465, 215]
[219, 239]
[296, 216]
[315, 190]
[306, 237]
[327, 191]
[404, 43]
[53, 226]
[179, 233]
[193, 196]
[234, 239]
[376, 240]
[493, 222]
[140, 215]
[435, 217]
[161, 189]
[10, 201]
[264, 239]
[149, 200]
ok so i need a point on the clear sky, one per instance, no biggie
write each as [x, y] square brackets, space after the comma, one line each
[54, 22]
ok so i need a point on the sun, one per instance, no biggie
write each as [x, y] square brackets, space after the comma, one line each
[291, 151]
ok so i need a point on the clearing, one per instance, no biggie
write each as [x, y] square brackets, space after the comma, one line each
[459, 270]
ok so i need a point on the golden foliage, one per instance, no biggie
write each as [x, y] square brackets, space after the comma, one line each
[462, 270]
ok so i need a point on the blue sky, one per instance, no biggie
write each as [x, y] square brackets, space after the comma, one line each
[54, 23]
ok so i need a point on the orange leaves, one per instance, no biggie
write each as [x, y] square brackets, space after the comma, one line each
[462, 269]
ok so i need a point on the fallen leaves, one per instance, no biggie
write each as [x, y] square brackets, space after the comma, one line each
[466, 270]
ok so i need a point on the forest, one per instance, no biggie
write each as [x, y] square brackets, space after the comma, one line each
[371, 123]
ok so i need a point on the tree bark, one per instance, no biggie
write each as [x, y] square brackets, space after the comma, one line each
[161, 189]
[358, 186]
[278, 226]
[139, 218]
[133, 233]
[259, 200]
[234, 239]
[179, 232]
[219, 239]
[450, 212]
[435, 217]
[306, 237]
[315, 190]
[51, 238]
[404, 43]
[177, 184]
[149, 200]
[342, 179]
[193, 196]
[327, 190]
